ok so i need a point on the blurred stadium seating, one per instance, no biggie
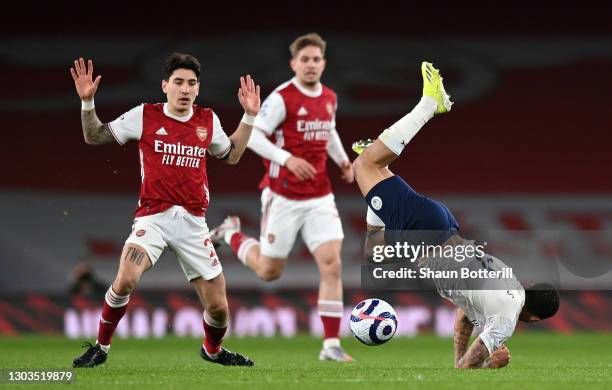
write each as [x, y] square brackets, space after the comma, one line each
[527, 147]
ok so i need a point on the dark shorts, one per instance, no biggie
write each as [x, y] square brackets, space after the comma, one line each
[410, 216]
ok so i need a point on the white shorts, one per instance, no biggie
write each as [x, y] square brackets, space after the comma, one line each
[282, 218]
[185, 234]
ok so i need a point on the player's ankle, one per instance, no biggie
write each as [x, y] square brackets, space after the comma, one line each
[212, 356]
[229, 234]
[104, 348]
[331, 342]
[428, 105]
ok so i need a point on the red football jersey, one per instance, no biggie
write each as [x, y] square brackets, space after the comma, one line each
[172, 155]
[299, 121]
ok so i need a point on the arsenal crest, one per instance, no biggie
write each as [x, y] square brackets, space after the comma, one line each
[202, 133]
[330, 108]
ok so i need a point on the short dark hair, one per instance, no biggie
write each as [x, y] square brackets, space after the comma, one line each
[312, 39]
[542, 300]
[181, 61]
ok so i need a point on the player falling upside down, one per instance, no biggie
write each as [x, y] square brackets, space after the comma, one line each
[393, 206]
[173, 139]
[300, 117]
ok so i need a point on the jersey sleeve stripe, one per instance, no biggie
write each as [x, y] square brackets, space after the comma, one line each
[225, 152]
[113, 134]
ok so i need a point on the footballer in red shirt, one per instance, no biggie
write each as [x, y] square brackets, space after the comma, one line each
[295, 132]
[173, 141]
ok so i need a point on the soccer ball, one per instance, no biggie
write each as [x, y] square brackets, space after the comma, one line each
[373, 321]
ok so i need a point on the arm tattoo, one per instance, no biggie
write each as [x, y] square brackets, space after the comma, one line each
[463, 331]
[134, 255]
[475, 357]
[375, 235]
[94, 131]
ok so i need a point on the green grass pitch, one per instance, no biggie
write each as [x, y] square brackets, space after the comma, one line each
[539, 361]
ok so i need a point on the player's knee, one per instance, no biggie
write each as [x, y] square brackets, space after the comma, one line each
[270, 274]
[125, 284]
[330, 267]
[218, 310]
[358, 164]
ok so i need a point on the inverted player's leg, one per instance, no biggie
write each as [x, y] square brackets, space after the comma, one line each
[212, 294]
[371, 166]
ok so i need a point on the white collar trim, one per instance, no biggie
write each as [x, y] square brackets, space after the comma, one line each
[316, 93]
[178, 118]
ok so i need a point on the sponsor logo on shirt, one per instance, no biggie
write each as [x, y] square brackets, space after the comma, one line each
[314, 125]
[180, 155]
[314, 130]
[161, 131]
[140, 233]
[302, 111]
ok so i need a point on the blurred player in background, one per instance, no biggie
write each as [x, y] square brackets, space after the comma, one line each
[396, 211]
[173, 139]
[294, 133]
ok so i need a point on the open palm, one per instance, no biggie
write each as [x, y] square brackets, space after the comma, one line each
[248, 95]
[83, 79]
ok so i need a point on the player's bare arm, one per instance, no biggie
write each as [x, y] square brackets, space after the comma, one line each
[94, 131]
[335, 150]
[347, 172]
[249, 98]
[375, 235]
[463, 331]
[477, 356]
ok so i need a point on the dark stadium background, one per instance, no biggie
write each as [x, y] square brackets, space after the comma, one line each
[526, 147]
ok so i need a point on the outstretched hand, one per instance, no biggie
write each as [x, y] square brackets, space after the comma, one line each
[248, 95]
[86, 87]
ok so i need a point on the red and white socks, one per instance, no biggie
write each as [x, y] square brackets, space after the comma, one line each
[330, 312]
[115, 306]
[214, 331]
[240, 244]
